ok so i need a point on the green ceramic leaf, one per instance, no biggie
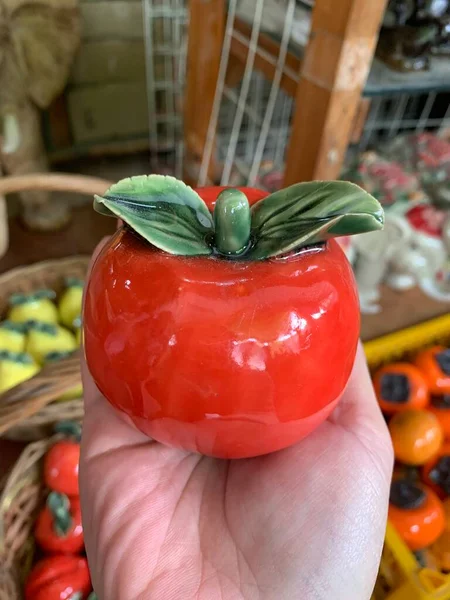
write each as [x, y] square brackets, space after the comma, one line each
[17, 357]
[17, 299]
[59, 506]
[68, 429]
[13, 326]
[55, 356]
[47, 328]
[308, 213]
[163, 210]
[73, 282]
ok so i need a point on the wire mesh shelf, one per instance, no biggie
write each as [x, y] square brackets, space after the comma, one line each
[250, 121]
[165, 30]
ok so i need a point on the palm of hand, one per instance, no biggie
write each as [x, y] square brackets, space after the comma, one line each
[305, 523]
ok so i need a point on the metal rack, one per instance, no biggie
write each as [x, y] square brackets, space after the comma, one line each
[165, 24]
[264, 98]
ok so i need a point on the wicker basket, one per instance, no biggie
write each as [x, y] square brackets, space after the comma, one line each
[19, 503]
[25, 411]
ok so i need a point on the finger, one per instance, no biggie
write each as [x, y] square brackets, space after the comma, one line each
[358, 411]
[358, 402]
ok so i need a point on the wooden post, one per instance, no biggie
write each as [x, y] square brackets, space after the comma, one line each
[334, 71]
[206, 31]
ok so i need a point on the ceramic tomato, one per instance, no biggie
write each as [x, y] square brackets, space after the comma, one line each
[435, 366]
[416, 436]
[59, 578]
[416, 513]
[399, 387]
[230, 333]
[61, 467]
[58, 526]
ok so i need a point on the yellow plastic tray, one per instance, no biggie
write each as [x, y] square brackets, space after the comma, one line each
[401, 577]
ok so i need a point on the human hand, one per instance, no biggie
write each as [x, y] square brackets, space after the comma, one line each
[306, 522]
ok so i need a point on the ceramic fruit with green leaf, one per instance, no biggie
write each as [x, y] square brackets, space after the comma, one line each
[77, 390]
[59, 577]
[69, 305]
[58, 528]
[37, 306]
[226, 321]
[15, 368]
[12, 336]
[46, 338]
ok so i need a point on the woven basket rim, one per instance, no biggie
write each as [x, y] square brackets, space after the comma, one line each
[24, 270]
[28, 398]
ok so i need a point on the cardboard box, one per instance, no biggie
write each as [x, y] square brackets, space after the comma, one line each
[116, 20]
[109, 62]
[108, 112]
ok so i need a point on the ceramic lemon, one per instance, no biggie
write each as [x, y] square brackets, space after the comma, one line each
[44, 338]
[69, 305]
[12, 336]
[33, 307]
[15, 367]
[75, 392]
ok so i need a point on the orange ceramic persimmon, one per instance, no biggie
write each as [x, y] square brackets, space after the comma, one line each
[222, 321]
[416, 436]
[435, 365]
[440, 406]
[400, 386]
[446, 504]
[416, 513]
[436, 471]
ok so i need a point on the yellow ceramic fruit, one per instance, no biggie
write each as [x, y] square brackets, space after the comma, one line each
[44, 338]
[15, 367]
[12, 336]
[33, 307]
[78, 330]
[69, 304]
[75, 392]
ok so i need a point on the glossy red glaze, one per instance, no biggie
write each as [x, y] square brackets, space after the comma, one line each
[48, 538]
[61, 467]
[58, 578]
[227, 358]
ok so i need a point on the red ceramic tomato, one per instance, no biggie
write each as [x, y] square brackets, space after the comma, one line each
[58, 578]
[61, 467]
[58, 526]
[229, 358]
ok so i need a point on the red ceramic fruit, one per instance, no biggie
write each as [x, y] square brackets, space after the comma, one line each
[416, 513]
[400, 386]
[61, 467]
[59, 578]
[232, 334]
[58, 526]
